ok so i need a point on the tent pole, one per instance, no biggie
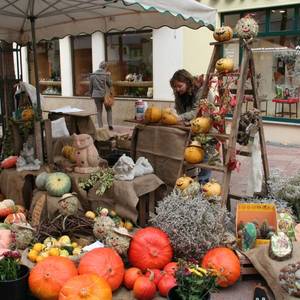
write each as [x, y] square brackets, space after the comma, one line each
[38, 131]
[36, 71]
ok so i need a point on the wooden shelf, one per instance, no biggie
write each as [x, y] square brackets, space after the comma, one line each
[218, 168]
[50, 82]
[133, 83]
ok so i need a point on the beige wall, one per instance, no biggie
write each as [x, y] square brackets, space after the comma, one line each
[124, 109]
[231, 5]
[196, 50]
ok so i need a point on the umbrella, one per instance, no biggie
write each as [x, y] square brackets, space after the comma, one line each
[22, 21]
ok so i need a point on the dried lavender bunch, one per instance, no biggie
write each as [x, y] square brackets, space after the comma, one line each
[194, 225]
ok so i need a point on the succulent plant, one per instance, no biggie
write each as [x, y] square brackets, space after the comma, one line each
[194, 225]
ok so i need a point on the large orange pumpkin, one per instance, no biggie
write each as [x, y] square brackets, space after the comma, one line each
[194, 154]
[150, 248]
[49, 275]
[152, 114]
[87, 287]
[225, 263]
[105, 262]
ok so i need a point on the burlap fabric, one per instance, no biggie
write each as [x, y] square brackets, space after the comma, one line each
[123, 196]
[270, 268]
[12, 184]
[163, 146]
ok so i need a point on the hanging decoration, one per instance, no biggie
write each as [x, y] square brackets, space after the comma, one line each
[247, 27]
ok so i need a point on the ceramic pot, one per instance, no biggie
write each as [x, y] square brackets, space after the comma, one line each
[15, 289]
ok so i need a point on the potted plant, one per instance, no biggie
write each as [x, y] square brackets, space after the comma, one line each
[193, 282]
[13, 276]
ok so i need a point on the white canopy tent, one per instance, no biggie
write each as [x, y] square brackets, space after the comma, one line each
[58, 18]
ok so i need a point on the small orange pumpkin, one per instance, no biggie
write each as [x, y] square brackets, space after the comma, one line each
[49, 275]
[224, 65]
[27, 114]
[225, 263]
[168, 117]
[87, 287]
[183, 182]
[152, 114]
[223, 33]
[201, 125]
[212, 189]
[194, 154]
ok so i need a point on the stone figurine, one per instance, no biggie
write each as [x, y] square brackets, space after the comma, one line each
[86, 154]
[26, 160]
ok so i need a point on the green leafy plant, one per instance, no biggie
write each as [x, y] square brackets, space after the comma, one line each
[194, 282]
[103, 179]
[9, 265]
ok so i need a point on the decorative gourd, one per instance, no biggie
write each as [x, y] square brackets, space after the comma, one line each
[40, 181]
[106, 263]
[246, 27]
[201, 125]
[27, 114]
[224, 33]
[87, 287]
[171, 268]
[49, 275]
[144, 288]
[58, 184]
[130, 276]
[225, 263]
[7, 207]
[165, 284]
[69, 153]
[150, 248]
[183, 182]
[194, 154]
[9, 162]
[15, 218]
[152, 114]
[168, 117]
[212, 189]
[224, 65]
[68, 205]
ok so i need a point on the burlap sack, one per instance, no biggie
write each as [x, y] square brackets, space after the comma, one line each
[163, 147]
[270, 268]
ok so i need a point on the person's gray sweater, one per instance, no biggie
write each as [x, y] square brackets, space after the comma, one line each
[99, 81]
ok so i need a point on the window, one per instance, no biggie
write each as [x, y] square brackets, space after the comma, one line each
[130, 60]
[48, 66]
[276, 53]
[82, 64]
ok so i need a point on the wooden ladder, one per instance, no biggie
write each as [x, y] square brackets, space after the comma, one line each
[229, 140]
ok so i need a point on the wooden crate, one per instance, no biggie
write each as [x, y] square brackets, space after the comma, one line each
[246, 266]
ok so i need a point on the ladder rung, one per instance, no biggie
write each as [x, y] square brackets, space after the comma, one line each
[221, 136]
[218, 168]
[225, 74]
[243, 153]
[234, 196]
[232, 41]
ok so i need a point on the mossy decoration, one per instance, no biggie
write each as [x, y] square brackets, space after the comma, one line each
[58, 184]
[189, 222]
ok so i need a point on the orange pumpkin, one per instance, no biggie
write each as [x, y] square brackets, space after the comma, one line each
[152, 114]
[87, 287]
[105, 262]
[49, 275]
[212, 188]
[9, 162]
[183, 182]
[15, 218]
[27, 114]
[194, 154]
[225, 263]
[201, 125]
[224, 65]
[223, 33]
[168, 117]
